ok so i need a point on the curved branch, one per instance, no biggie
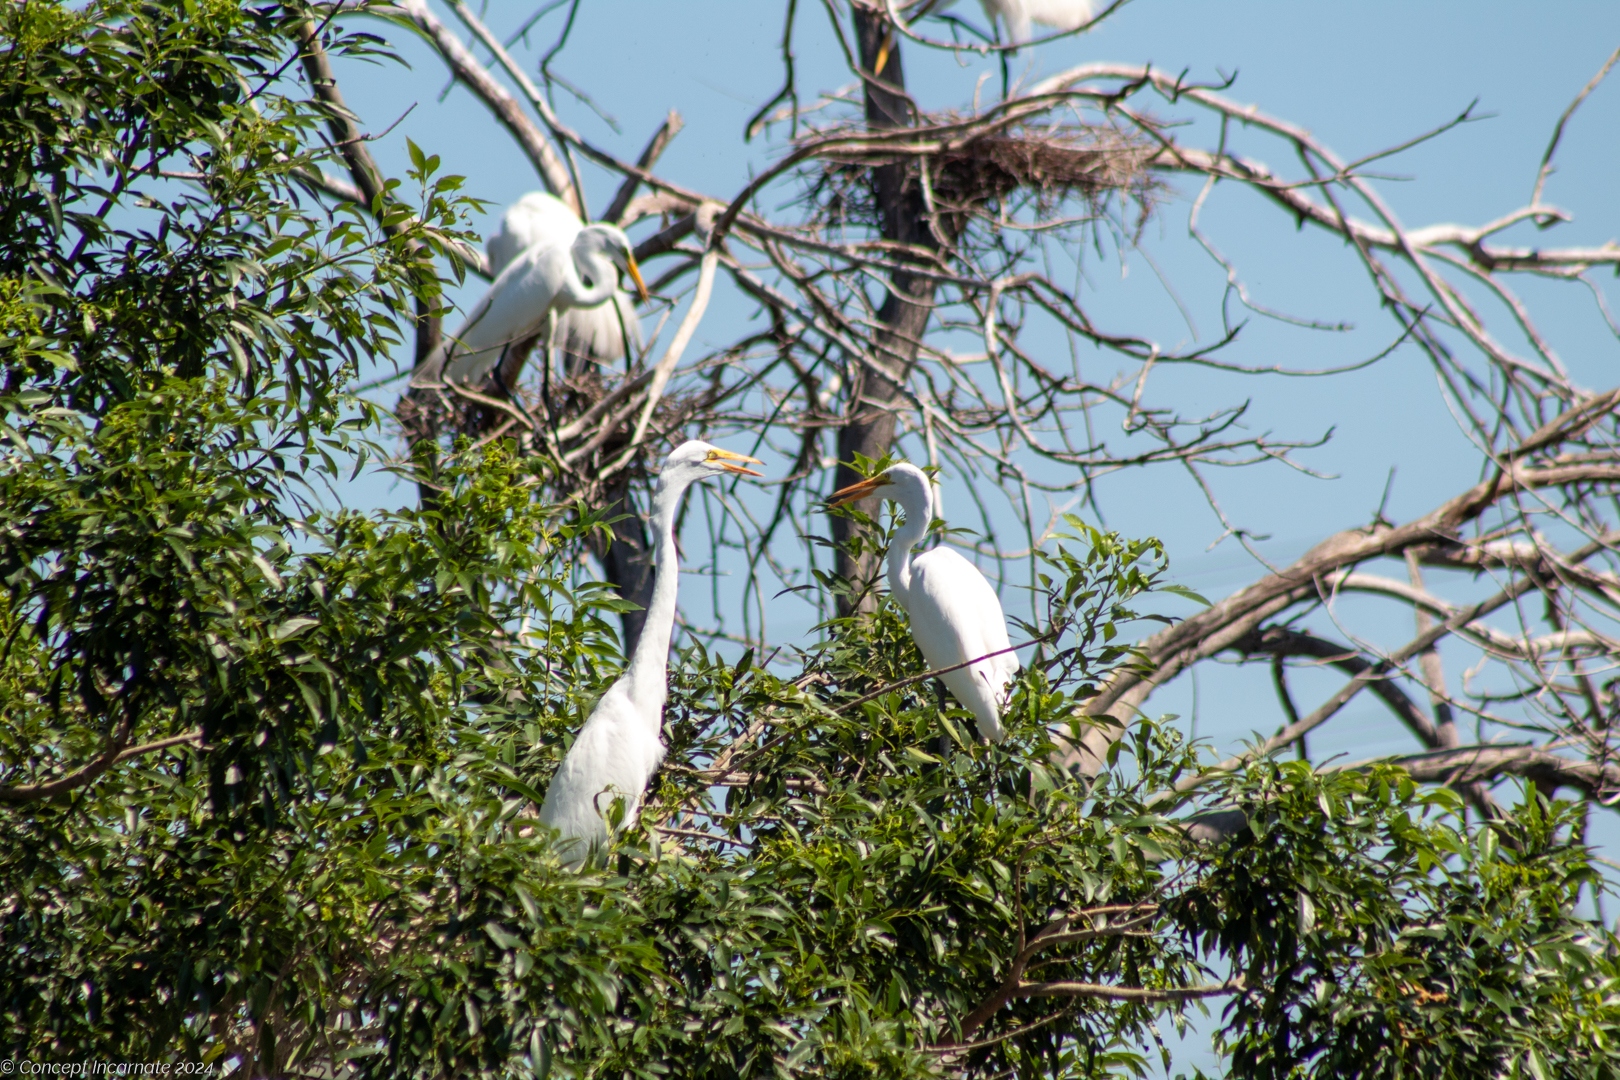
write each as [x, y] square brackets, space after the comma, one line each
[116, 752]
[1529, 557]
[1280, 641]
[1277, 641]
[553, 173]
[1482, 764]
[1222, 625]
[1488, 636]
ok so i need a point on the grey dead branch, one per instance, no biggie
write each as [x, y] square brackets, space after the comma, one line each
[879, 266]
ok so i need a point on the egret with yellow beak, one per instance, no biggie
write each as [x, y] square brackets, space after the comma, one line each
[622, 744]
[602, 333]
[955, 614]
[537, 282]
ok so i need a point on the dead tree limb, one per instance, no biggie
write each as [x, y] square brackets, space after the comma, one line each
[1223, 625]
[547, 163]
[874, 396]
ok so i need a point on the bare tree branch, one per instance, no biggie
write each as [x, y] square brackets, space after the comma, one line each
[1280, 641]
[117, 751]
[661, 139]
[1480, 764]
[1558, 128]
[548, 165]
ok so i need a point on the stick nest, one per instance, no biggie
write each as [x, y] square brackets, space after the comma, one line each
[1093, 163]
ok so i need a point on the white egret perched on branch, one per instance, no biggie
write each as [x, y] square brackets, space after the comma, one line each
[621, 744]
[955, 615]
[538, 281]
[542, 220]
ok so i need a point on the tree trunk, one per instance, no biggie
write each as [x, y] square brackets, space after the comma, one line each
[628, 562]
[874, 398]
[627, 559]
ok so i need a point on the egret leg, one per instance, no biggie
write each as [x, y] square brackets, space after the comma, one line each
[944, 741]
[499, 379]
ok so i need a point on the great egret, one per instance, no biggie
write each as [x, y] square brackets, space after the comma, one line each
[955, 615]
[540, 219]
[621, 745]
[537, 282]
[1016, 15]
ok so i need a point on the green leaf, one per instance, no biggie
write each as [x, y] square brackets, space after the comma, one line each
[503, 937]
[1183, 591]
[292, 627]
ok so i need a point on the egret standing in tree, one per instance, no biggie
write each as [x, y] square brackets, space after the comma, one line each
[621, 744]
[955, 615]
[541, 220]
[537, 282]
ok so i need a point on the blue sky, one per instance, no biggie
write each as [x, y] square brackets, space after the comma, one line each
[1361, 77]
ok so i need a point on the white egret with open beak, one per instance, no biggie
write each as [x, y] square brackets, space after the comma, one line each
[622, 744]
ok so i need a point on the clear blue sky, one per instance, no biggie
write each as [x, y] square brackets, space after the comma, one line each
[1361, 76]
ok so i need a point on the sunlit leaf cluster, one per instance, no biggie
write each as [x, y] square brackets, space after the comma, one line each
[268, 771]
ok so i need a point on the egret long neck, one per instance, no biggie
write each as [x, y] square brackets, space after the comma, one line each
[919, 510]
[649, 664]
[591, 264]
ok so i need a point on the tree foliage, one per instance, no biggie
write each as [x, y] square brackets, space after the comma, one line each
[269, 770]
[923, 280]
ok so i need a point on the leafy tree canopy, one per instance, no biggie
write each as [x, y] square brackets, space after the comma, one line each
[269, 770]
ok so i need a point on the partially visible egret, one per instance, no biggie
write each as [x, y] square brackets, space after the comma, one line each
[621, 744]
[955, 615]
[537, 282]
[540, 219]
[1015, 16]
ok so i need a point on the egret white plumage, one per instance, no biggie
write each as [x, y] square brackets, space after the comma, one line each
[621, 744]
[1017, 15]
[537, 282]
[540, 219]
[955, 614]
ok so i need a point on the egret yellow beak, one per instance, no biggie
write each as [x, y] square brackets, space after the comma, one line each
[733, 462]
[856, 492]
[635, 276]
